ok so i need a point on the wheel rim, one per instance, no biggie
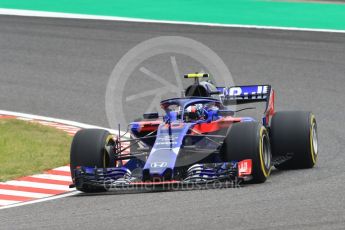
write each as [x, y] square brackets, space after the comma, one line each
[266, 152]
[106, 157]
[314, 138]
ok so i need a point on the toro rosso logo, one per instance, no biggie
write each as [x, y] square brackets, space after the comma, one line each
[159, 164]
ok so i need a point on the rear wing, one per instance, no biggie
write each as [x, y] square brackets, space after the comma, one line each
[249, 94]
[244, 94]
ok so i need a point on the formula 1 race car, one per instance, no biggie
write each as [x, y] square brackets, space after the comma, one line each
[197, 141]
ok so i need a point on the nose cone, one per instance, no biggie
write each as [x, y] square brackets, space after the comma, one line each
[161, 161]
[160, 164]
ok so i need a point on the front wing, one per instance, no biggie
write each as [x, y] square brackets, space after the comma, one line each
[211, 175]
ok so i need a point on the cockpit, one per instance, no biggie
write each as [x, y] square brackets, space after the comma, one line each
[191, 109]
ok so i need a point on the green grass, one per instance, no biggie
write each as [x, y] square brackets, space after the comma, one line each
[28, 148]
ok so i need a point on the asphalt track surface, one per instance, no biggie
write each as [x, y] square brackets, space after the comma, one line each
[59, 68]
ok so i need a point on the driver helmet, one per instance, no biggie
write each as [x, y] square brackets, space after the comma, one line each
[198, 109]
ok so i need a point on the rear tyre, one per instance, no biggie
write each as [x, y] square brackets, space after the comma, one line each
[88, 149]
[249, 140]
[295, 133]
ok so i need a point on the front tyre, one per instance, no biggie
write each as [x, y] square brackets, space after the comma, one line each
[249, 140]
[295, 133]
[88, 149]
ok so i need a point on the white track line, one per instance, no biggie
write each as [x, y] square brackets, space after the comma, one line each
[21, 193]
[17, 204]
[53, 177]
[38, 185]
[24, 119]
[63, 168]
[8, 202]
[33, 13]
[62, 121]
[66, 128]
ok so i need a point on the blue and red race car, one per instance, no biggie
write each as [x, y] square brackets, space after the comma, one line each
[197, 141]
